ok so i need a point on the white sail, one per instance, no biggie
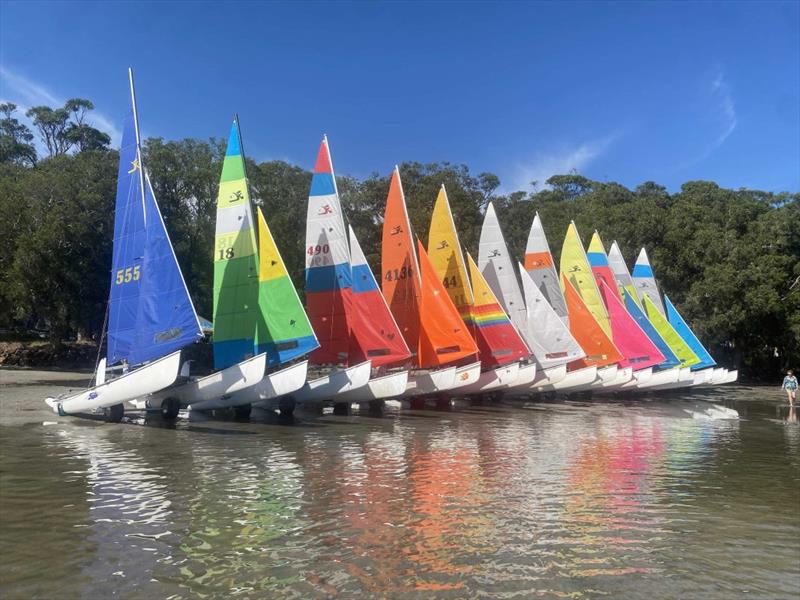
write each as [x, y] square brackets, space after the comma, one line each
[498, 269]
[621, 274]
[552, 344]
[645, 282]
[539, 265]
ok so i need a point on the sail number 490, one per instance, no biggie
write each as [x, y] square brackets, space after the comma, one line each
[318, 249]
[128, 275]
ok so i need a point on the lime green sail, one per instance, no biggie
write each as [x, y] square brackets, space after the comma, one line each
[236, 308]
[284, 332]
[673, 339]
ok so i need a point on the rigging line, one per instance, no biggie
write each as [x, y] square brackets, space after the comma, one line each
[100, 344]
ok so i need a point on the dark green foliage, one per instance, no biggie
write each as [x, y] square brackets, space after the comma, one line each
[727, 258]
[15, 138]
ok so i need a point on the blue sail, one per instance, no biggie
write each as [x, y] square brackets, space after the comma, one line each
[636, 312]
[150, 311]
[677, 322]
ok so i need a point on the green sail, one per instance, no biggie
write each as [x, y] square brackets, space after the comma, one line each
[235, 262]
[668, 333]
[284, 332]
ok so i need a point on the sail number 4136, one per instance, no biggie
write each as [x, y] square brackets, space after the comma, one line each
[128, 275]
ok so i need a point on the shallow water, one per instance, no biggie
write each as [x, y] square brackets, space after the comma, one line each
[561, 500]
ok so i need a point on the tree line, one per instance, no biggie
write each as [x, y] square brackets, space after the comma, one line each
[729, 259]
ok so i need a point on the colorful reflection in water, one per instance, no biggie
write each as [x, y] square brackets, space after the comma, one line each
[536, 500]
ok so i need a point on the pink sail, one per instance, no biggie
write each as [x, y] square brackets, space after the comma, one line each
[636, 347]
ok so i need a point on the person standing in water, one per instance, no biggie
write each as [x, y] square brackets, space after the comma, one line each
[790, 385]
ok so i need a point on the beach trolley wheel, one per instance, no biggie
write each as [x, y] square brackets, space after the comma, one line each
[114, 413]
[342, 409]
[170, 408]
[242, 411]
[286, 406]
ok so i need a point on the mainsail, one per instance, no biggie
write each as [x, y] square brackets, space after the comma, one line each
[680, 348]
[284, 331]
[645, 282]
[600, 350]
[376, 336]
[676, 320]
[670, 360]
[599, 263]
[150, 313]
[328, 273]
[498, 340]
[621, 275]
[236, 310]
[575, 269]
[553, 343]
[628, 337]
[540, 267]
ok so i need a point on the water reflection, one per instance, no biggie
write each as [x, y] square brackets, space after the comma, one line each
[534, 500]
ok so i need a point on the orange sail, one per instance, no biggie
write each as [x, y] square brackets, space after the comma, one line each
[444, 337]
[399, 275]
[600, 350]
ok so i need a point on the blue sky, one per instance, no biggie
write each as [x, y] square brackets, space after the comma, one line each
[629, 92]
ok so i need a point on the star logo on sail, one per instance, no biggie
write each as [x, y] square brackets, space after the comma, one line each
[134, 166]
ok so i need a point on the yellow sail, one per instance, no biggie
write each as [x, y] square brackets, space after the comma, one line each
[673, 339]
[444, 250]
[575, 267]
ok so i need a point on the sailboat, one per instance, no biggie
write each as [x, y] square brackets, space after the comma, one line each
[150, 313]
[501, 347]
[644, 282]
[576, 270]
[428, 320]
[283, 333]
[329, 290]
[638, 350]
[550, 352]
[548, 318]
[665, 372]
[376, 336]
[238, 362]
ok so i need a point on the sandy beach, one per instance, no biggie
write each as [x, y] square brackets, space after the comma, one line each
[22, 392]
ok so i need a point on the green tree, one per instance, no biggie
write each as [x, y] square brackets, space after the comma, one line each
[15, 138]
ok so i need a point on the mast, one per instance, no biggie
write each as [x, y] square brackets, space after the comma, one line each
[140, 166]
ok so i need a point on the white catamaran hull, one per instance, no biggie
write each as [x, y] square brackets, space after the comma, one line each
[660, 378]
[525, 377]
[549, 377]
[272, 385]
[605, 377]
[211, 387]
[421, 383]
[702, 377]
[497, 378]
[378, 388]
[622, 377]
[730, 377]
[685, 378]
[466, 376]
[334, 383]
[574, 380]
[147, 379]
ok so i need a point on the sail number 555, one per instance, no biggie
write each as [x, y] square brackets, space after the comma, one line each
[128, 275]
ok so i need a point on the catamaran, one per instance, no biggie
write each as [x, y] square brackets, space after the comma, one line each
[428, 320]
[150, 313]
[501, 347]
[576, 270]
[329, 293]
[548, 318]
[638, 350]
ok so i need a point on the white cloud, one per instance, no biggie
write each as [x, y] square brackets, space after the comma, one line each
[564, 160]
[26, 93]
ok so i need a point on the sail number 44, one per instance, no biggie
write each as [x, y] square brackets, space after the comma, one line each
[128, 275]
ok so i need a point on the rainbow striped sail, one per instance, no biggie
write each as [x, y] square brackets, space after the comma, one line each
[235, 262]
